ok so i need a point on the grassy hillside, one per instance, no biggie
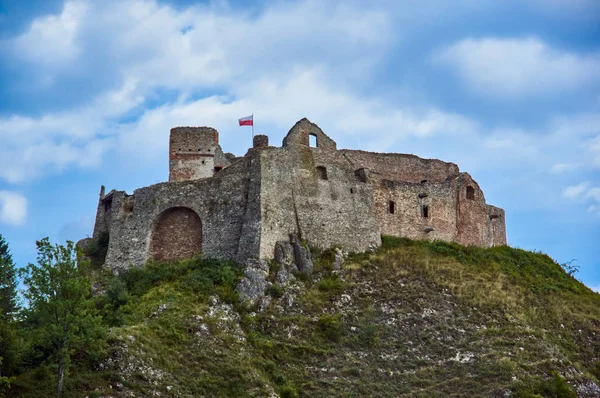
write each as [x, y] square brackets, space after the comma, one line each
[412, 319]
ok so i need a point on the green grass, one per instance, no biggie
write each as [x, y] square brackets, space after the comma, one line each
[415, 318]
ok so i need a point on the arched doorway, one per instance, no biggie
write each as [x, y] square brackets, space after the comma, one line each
[177, 235]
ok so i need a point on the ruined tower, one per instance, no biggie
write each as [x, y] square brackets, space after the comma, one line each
[192, 153]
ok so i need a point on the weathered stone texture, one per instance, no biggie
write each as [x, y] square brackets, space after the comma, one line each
[223, 216]
[192, 153]
[275, 200]
[260, 141]
[402, 167]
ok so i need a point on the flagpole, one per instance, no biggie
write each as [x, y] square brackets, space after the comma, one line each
[253, 125]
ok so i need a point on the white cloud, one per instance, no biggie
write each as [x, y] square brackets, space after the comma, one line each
[51, 41]
[273, 63]
[575, 191]
[517, 67]
[559, 168]
[585, 192]
[13, 208]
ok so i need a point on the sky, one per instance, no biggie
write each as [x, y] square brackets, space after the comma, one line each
[509, 91]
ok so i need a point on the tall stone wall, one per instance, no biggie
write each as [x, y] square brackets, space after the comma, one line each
[313, 192]
[219, 202]
[472, 218]
[416, 210]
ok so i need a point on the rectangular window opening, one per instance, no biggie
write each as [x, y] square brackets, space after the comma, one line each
[391, 207]
[425, 211]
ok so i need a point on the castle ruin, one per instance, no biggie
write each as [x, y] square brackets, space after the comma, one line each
[238, 208]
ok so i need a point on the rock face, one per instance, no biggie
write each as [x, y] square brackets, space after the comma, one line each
[338, 260]
[302, 257]
[284, 254]
[252, 286]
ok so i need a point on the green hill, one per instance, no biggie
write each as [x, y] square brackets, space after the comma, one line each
[411, 319]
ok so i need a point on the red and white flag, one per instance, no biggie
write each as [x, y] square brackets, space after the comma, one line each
[247, 121]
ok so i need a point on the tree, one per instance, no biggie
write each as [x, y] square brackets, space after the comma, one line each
[61, 305]
[8, 283]
[9, 305]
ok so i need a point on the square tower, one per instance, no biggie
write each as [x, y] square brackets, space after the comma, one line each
[192, 152]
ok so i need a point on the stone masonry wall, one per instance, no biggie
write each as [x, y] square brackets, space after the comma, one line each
[472, 218]
[402, 167]
[497, 225]
[192, 152]
[405, 217]
[220, 203]
[295, 197]
[327, 197]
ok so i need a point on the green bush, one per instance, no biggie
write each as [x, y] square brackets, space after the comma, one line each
[332, 285]
[275, 291]
[330, 327]
[288, 391]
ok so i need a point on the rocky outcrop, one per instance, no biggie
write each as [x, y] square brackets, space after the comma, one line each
[252, 286]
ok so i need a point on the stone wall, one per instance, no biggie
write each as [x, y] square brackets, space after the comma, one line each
[497, 225]
[220, 203]
[325, 196]
[192, 153]
[297, 199]
[416, 210]
[402, 167]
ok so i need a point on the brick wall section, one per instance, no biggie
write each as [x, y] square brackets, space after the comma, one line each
[192, 152]
[177, 235]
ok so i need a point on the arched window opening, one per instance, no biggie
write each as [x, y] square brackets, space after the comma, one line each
[313, 142]
[470, 192]
[322, 172]
[425, 211]
[391, 207]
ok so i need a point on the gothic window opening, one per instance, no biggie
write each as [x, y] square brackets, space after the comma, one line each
[391, 207]
[322, 172]
[470, 193]
[312, 141]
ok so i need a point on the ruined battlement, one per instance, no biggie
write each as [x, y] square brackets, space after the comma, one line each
[228, 207]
